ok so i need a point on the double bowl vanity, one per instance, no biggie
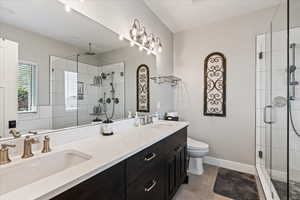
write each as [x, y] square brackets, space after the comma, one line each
[148, 162]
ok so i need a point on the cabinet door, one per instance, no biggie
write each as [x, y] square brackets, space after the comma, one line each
[180, 165]
[171, 176]
[108, 185]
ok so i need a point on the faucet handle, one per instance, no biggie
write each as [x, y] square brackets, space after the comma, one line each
[31, 140]
[4, 157]
[46, 147]
[5, 146]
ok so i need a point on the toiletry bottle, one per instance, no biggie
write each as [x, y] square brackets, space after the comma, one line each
[137, 122]
[155, 117]
[129, 115]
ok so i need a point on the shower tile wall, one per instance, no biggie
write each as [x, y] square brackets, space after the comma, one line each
[295, 107]
[279, 89]
[65, 118]
[119, 83]
[41, 120]
[86, 74]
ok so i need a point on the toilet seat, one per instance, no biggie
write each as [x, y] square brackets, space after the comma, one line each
[196, 145]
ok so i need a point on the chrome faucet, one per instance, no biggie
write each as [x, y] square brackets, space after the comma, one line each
[28, 146]
[4, 157]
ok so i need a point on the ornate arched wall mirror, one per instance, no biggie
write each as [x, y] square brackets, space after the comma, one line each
[215, 85]
[142, 89]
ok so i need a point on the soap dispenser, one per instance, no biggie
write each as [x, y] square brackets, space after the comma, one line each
[137, 122]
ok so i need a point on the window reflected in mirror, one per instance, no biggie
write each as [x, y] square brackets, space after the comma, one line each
[27, 87]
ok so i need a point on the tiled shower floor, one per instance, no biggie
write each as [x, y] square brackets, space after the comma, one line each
[282, 190]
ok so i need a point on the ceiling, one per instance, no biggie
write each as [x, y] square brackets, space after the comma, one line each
[180, 15]
[49, 18]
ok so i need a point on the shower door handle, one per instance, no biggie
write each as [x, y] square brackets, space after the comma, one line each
[265, 114]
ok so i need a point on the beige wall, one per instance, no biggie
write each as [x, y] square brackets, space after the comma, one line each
[231, 138]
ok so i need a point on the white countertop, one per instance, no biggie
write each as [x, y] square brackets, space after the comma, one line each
[105, 151]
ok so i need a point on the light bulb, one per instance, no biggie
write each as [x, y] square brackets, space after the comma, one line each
[148, 52]
[134, 31]
[152, 45]
[121, 37]
[159, 49]
[141, 48]
[67, 8]
[132, 43]
[144, 39]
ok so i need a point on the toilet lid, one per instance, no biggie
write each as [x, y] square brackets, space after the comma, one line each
[194, 144]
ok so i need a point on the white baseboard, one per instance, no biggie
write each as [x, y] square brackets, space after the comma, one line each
[250, 169]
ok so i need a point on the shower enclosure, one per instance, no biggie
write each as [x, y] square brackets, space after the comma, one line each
[278, 104]
[84, 91]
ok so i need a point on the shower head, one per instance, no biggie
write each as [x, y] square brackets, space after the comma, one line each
[90, 52]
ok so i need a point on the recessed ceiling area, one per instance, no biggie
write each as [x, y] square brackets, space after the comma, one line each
[180, 15]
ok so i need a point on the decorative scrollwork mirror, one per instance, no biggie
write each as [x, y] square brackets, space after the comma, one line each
[142, 89]
[215, 85]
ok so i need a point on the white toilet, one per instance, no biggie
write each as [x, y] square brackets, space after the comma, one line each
[196, 151]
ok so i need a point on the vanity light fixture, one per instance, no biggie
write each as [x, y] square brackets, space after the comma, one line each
[139, 35]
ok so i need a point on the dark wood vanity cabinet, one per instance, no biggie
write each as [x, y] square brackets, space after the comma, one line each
[176, 163]
[155, 173]
[108, 185]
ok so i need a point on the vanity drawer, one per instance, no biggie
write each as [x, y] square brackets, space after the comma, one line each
[143, 160]
[150, 185]
[108, 185]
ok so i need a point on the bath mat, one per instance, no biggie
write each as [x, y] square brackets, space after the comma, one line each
[236, 185]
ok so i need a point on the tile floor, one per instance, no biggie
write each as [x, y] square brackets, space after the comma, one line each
[201, 187]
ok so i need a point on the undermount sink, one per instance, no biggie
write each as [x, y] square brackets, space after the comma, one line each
[14, 176]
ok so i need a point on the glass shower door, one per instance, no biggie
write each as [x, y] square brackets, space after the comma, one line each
[263, 110]
[294, 100]
[278, 101]
[272, 106]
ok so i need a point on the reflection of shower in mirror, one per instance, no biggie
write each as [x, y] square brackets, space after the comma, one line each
[111, 88]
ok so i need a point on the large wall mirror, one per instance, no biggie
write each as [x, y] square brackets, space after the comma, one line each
[63, 69]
